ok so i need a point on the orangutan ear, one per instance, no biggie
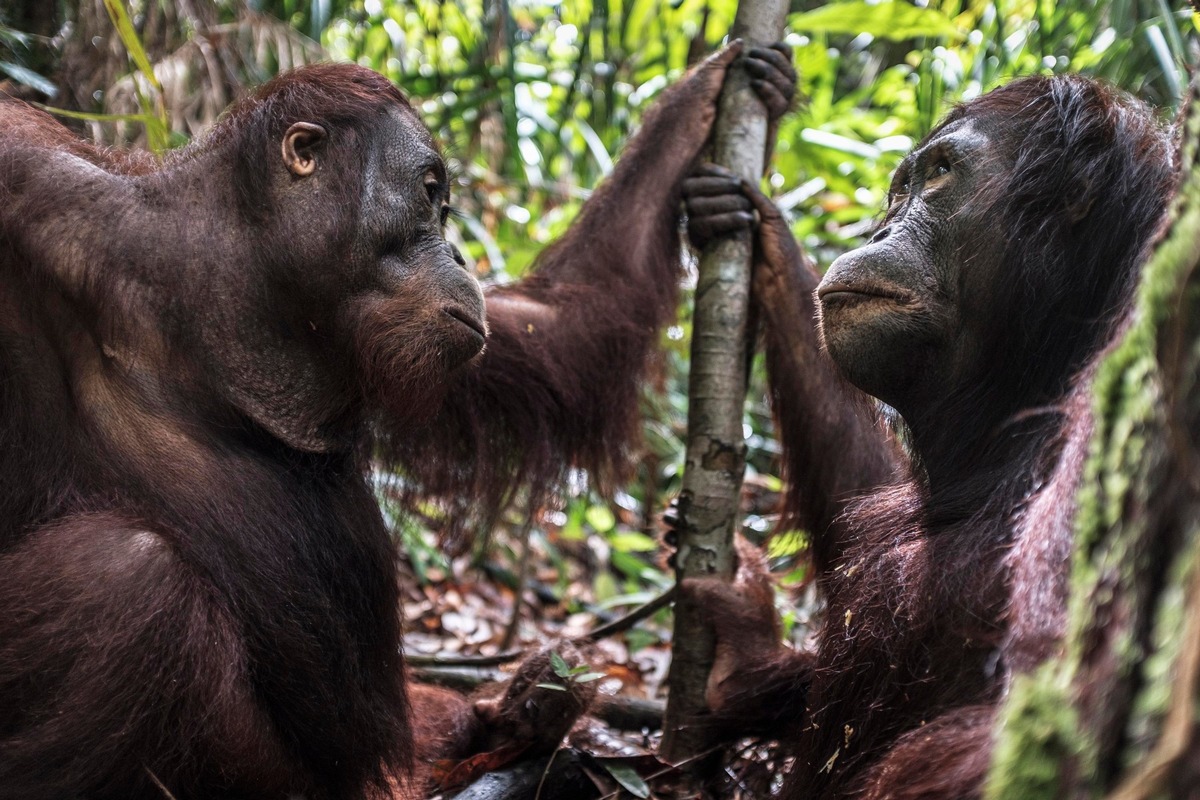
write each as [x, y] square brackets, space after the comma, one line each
[300, 145]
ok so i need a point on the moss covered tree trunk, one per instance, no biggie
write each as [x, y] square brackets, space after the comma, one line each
[1117, 715]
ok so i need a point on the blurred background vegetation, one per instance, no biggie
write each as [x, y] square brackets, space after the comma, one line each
[534, 99]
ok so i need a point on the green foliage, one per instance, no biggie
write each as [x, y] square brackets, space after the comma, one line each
[627, 776]
[869, 101]
[569, 674]
[533, 98]
[536, 98]
[14, 48]
[154, 113]
[883, 20]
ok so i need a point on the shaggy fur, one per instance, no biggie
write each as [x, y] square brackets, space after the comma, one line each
[944, 568]
[198, 590]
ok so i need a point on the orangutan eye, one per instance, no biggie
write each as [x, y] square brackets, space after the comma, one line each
[939, 168]
[901, 184]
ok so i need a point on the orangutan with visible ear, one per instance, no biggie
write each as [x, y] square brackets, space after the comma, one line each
[198, 356]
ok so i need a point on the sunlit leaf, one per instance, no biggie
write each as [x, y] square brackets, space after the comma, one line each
[885, 20]
[28, 77]
[601, 518]
[787, 544]
[632, 542]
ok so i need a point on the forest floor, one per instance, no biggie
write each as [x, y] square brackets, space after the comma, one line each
[460, 632]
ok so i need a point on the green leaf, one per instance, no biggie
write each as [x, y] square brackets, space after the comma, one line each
[787, 620]
[13, 37]
[92, 117]
[560, 667]
[26, 76]
[129, 37]
[614, 600]
[601, 518]
[573, 530]
[589, 677]
[632, 542]
[155, 117]
[788, 543]
[553, 686]
[630, 566]
[796, 577]
[883, 20]
[628, 778]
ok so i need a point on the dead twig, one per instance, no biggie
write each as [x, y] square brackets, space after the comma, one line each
[629, 620]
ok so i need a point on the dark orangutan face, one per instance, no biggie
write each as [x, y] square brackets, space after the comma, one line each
[892, 312]
[362, 304]
[412, 271]
[413, 201]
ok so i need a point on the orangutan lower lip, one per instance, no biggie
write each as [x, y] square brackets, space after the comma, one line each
[841, 292]
[466, 319]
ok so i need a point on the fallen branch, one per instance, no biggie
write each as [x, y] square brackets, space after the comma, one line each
[558, 775]
[507, 657]
[629, 620]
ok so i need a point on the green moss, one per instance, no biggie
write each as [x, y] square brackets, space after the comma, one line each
[1154, 700]
[1038, 732]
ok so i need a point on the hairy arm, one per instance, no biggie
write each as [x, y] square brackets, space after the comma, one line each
[568, 346]
[757, 687]
[520, 719]
[834, 446]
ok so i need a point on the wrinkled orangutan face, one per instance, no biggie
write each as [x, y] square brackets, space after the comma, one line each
[896, 314]
[419, 315]
[405, 203]
[355, 301]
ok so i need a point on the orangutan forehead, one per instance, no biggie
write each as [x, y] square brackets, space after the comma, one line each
[407, 143]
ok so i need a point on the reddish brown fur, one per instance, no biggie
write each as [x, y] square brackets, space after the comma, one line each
[748, 653]
[190, 598]
[400, 361]
[566, 354]
[549, 715]
[948, 574]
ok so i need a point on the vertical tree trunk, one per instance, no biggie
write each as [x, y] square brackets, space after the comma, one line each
[1118, 714]
[716, 450]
